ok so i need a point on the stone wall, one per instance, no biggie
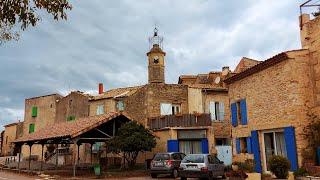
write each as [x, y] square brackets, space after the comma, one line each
[10, 134]
[276, 97]
[75, 104]
[136, 107]
[221, 129]
[109, 106]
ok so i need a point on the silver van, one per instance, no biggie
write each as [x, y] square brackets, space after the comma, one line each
[201, 166]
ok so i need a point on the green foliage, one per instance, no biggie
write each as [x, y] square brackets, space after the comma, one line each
[311, 133]
[23, 13]
[247, 166]
[131, 139]
[279, 166]
[301, 172]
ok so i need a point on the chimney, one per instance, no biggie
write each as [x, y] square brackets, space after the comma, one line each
[100, 88]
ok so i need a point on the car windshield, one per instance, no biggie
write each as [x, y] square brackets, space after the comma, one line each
[194, 158]
[159, 157]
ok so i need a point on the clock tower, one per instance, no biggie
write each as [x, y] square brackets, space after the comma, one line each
[156, 59]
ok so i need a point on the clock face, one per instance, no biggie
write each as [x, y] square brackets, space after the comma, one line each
[156, 59]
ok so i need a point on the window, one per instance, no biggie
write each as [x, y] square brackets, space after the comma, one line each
[34, 111]
[31, 128]
[241, 145]
[176, 157]
[165, 109]
[222, 141]
[169, 109]
[239, 112]
[274, 144]
[213, 160]
[71, 118]
[176, 109]
[216, 109]
[120, 105]
[70, 103]
[100, 109]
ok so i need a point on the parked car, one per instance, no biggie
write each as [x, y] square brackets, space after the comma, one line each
[201, 166]
[166, 163]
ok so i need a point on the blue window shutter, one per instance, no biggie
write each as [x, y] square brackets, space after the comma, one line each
[249, 149]
[238, 148]
[289, 136]
[256, 150]
[205, 146]
[243, 108]
[173, 146]
[234, 118]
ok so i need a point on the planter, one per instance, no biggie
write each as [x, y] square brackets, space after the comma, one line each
[253, 176]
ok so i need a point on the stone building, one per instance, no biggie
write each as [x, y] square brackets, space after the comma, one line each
[271, 99]
[74, 105]
[12, 132]
[40, 112]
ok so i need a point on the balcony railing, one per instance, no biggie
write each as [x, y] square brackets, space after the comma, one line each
[183, 120]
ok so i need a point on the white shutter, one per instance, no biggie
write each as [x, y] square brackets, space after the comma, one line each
[221, 109]
[165, 109]
[212, 110]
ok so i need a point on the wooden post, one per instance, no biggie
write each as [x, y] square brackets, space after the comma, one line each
[19, 157]
[30, 147]
[42, 146]
[75, 157]
[57, 154]
[91, 152]
[78, 156]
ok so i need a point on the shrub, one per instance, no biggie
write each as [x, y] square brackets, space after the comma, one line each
[279, 166]
[300, 172]
[247, 166]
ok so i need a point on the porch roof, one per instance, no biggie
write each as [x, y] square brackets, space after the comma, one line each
[69, 129]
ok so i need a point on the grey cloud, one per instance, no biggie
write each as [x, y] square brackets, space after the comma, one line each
[106, 41]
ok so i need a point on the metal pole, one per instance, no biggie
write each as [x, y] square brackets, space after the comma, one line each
[114, 128]
[42, 146]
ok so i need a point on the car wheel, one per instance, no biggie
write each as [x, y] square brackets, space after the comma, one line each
[223, 176]
[174, 173]
[153, 175]
[183, 178]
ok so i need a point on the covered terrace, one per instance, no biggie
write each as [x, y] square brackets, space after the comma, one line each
[83, 130]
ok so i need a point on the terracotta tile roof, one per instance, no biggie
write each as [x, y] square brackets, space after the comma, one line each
[208, 86]
[258, 67]
[70, 128]
[55, 94]
[118, 92]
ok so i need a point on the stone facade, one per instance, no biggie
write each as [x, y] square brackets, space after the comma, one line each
[75, 105]
[12, 132]
[46, 115]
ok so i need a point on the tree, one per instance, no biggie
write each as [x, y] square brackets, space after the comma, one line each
[20, 14]
[131, 139]
[311, 133]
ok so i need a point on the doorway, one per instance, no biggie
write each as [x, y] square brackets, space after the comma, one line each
[274, 144]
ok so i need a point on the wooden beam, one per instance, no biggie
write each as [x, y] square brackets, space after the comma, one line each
[103, 133]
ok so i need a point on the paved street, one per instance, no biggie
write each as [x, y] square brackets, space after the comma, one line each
[14, 176]
[5, 175]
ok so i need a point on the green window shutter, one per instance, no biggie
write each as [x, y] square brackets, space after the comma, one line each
[34, 112]
[71, 118]
[31, 128]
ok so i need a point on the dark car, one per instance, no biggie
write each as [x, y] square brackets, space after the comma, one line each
[201, 166]
[166, 163]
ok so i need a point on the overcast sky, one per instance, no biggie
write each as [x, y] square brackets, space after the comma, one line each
[106, 41]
